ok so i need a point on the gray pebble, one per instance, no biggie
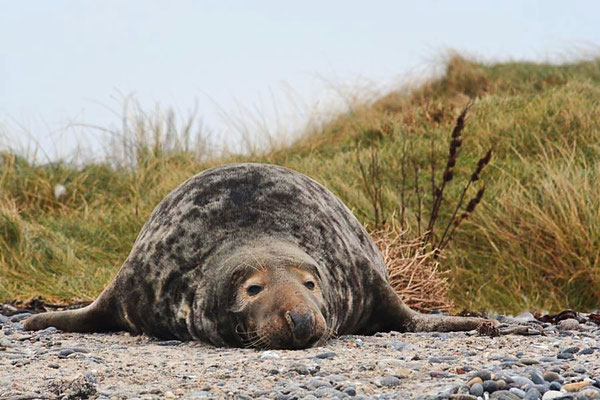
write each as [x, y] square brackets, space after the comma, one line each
[533, 394]
[521, 381]
[476, 389]
[565, 356]
[571, 350]
[317, 383]
[3, 319]
[300, 369]
[504, 395]
[519, 392]
[555, 386]
[529, 361]
[490, 386]
[536, 377]
[390, 381]
[169, 343]
[588, 350]
[485, 375]
[327, 355]
[328, 393]
[350, 391]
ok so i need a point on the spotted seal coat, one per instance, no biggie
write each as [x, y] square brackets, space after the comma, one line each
[251, 254]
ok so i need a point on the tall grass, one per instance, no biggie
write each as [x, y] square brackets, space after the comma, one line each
[533, 242]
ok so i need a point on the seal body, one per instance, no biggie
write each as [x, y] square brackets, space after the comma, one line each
[251, 254]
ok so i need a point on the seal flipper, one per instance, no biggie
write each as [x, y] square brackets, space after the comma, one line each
[93, 318]
[391, 314]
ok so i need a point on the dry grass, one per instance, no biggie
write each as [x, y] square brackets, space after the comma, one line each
[414, 272]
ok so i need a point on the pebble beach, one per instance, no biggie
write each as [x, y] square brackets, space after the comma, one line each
[541, 361]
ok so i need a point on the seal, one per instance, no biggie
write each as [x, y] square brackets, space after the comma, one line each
[251, 255]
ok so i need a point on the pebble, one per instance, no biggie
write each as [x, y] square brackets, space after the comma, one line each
[328, 355]
[490, 386]
[169, 343]
[536, 377]
[575, 386]
[552, 394]
[269, 354]
[533, 394]
[476, 389]
[551, 376]
[568, 324]
[474, 381]
[390, 381]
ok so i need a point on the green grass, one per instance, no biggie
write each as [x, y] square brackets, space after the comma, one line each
[533, 242]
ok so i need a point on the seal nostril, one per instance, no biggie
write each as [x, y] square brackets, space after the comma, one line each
[301, 324]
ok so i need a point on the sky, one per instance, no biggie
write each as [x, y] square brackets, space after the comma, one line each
[69, 64]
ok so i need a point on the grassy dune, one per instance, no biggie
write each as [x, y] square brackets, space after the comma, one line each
[533, 241]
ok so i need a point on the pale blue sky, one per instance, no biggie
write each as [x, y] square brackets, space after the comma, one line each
[69, 61]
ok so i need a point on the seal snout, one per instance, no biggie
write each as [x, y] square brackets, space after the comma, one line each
[300, 323]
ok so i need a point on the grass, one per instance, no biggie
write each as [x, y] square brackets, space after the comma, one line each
[532, 243]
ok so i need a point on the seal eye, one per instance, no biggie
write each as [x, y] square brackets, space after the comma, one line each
[310, 285]
[253, 290]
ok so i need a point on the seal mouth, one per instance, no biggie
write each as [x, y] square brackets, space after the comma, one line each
[268, 337]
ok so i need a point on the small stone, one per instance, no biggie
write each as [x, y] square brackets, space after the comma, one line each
[300, 369]
[504, 395]
[501, 384]
[390, 381]
[317, 383]
[169, 343]
[571, 350]
[269, 354]
[476, 389]
[536, 377]
[552, 394]
[169, 395]
[521, 381]
[529, 361]
[589, 394]
[575, 386]
[3, 319]
[533, 394]
[588, 350]
[462, 396]
[490, 386]
[565, 356]
[474, 381]
[485, 375]
[568, 324]
[555, 386]
[350, 391]
[551, 376]
[328, 355]
[64, 353]
[519, 392]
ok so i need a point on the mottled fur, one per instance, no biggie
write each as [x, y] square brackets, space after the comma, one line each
[208, 234]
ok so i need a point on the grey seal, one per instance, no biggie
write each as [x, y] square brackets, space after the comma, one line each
[251, 255]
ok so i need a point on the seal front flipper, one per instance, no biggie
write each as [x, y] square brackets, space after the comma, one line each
[391, 314]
